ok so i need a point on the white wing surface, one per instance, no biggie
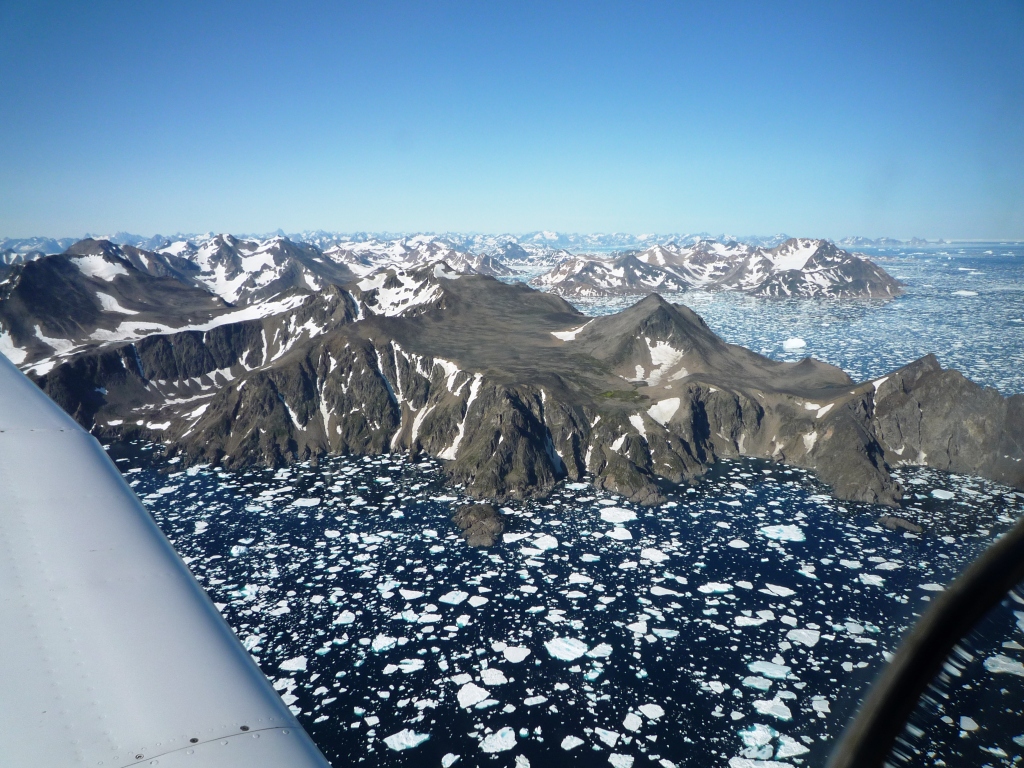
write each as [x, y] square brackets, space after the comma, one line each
[111, 654]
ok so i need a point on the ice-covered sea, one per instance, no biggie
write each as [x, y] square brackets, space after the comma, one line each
[965, 304]
[736, 625]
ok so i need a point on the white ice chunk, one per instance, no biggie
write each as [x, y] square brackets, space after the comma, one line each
[515, 653]
[808, 637]
[471, 694]
[715, 588]
[383, 643]
[571, 742]
[777, 591]
[632, 722]
[769, 669]
[783, 532]
[617, 515]
[566, 648]
[619, 534]
[608, 737]
[405, 739]
[500, 741]
[654, 555]
[600, 651]
[653, 711]
[790, 747]
[298, 664]
[1000, 663]
[545, 542]
[774, 708]
[491, 676]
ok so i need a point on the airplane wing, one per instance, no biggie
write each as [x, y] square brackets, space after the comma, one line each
[111, 654]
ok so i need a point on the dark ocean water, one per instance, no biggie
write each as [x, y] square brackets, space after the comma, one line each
[738, 624]
[741, 620]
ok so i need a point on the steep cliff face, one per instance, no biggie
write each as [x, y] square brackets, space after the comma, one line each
[515, 390]
[925, 415]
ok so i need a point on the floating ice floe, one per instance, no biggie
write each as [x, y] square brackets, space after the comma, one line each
[600, 651]
[545, 542]
[738, 544]
[1004, 664]
[449, 760]
[619, 534]
[769, 669]
[471, 694]
[794, 343]
[499, 741]
[617, 515]
[659, 591]
[406, 739]
[491, 676]
[620, 761]
[808, 637]
[298, 664]
[654, 555]
[783, 532]
[757, 682]
[774, 708]
[571, 742]
[790, 747]
[777, 591]
[715, 588]
[383, 643]
[566, 648]
[515, 653]
[610, 738]
[453, 598]
[411, 665]
[311, 502]
[939, 493]
[652, 711]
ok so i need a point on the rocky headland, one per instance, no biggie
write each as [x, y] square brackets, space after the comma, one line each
[512, 387]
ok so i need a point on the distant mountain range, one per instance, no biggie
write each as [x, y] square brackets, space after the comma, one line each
[13, 250]
[240, 269]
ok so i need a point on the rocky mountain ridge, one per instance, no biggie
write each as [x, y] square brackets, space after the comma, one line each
[515, 389]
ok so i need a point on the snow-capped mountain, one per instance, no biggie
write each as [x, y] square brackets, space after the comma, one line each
[249, 271]
[18, 250]
[796, 268]
[587, 277]
[371, 255]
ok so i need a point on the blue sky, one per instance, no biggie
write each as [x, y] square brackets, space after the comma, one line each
[817, 119]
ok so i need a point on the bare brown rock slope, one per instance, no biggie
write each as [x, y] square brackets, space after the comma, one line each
[515, 389]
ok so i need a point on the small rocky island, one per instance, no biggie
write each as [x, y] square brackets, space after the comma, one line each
[481, 524]
[512, 387]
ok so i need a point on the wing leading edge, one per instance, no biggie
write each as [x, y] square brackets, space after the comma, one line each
[111, 654]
